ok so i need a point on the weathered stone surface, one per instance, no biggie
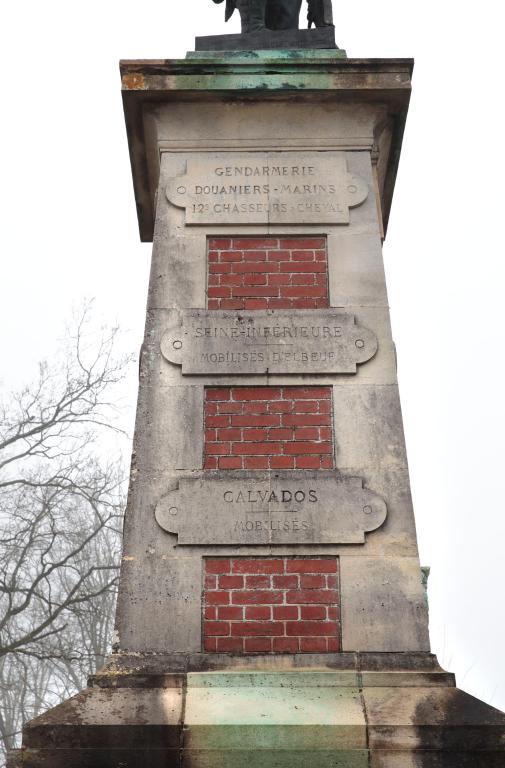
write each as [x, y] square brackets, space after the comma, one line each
[379, 369]
[383, 604]
[272, 342]
[170, 583]
[172, 434]
[431, 759]
[110, 755]
[145, 670]
[370, 443]
[153, 719]
[275, 508]
[276, 758]
[103, 728]
[319, 717]
[179, 253]
[267, 39]
[298, 85]
[306, 678]
[348, 248]
[446, 719]
[139, 714]
[267, 719]
[398, 678]
[267, 188]
[156, 574]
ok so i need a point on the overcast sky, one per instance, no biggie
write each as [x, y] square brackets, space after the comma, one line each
[69, 231]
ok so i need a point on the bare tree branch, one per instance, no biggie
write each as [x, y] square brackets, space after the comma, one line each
[61, 509]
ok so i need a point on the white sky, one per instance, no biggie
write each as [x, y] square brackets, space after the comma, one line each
[69, 231]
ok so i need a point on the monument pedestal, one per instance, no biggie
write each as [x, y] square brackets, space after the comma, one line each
[271, 609]
[349, 711]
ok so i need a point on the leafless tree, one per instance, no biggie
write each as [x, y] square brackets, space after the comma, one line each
[61, 504]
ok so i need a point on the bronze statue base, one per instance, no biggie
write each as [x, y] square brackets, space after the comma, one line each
[311, 39]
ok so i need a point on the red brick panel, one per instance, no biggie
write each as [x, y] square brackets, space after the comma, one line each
[271, 605]
[268, 428]
[267, 273]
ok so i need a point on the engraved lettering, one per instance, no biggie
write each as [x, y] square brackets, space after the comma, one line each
[265, 496]
[272, 508]
[263, 189]
[326, 341]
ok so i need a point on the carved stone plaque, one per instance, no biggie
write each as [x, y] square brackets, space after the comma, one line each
[275, 508]
[302, 341]
[267, 188]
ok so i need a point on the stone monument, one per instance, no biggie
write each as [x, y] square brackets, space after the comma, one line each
[271, 609]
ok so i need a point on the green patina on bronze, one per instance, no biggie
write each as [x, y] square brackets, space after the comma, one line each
[269, 57]
[240, 71]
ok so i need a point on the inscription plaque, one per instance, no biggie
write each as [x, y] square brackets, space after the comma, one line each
[302, 341]
[287, 508]
[267, 188]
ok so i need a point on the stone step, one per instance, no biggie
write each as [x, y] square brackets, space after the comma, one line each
[298, 718]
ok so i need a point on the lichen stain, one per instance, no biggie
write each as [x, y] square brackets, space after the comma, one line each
[133, 82]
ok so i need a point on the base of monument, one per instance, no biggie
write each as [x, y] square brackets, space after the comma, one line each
[349, 711]
[311, 39]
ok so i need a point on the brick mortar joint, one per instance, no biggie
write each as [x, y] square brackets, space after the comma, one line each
[292, 425]
[245, 273]
[278, 633]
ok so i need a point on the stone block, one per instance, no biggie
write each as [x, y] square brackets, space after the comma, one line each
[368, 428]
[169, 431]
[271, 508]
[134, 719]
[159, 604]
[322, 717]
[269, 189]
[267, 758]
[110, 756]
[106, 728]
[299, 341]
[432, 759]
[356, 269]
[383, 604]
[403, 679]
[180, 265]
[437, 719]
[275, 678]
